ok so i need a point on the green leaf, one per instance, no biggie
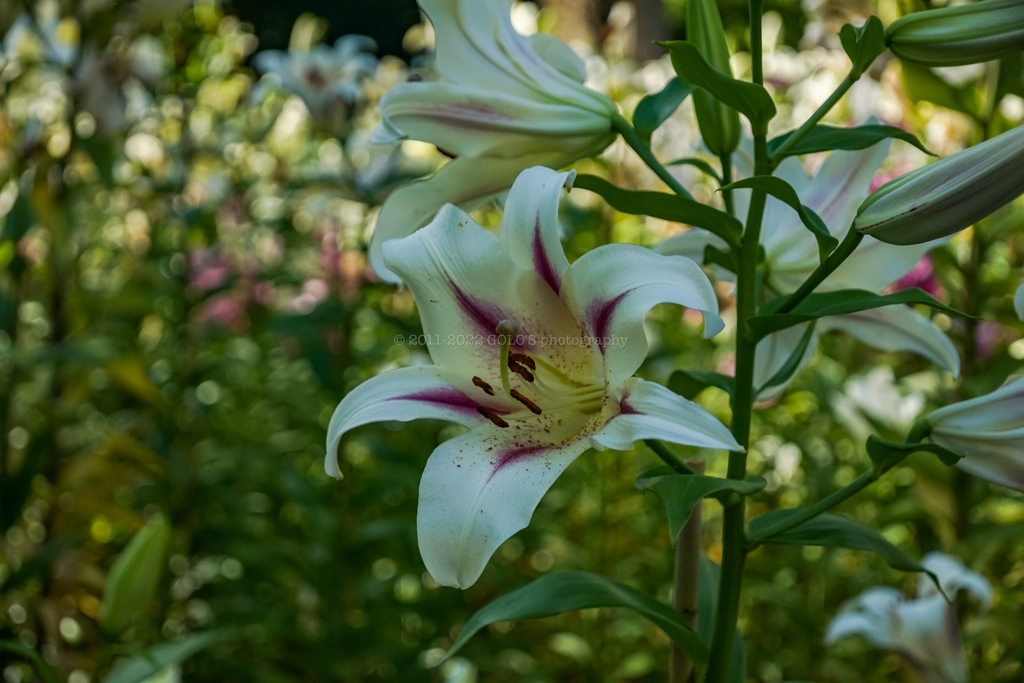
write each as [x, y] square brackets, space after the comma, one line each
[155, 658]
[654, 110]
[48, 673]
[668, 207]
[863, 44]
[133, 579]
[887, 454]
[698, 163]
[750, 99]
[689, 383]
[831, 531]
[567, 591]
[680, 492]
[792, 363]
[783, 191]
[823, 138]
[839, 302]
[719, 124]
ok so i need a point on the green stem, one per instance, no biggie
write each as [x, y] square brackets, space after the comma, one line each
[670, 458]
[628, 134]
[823, 505]
[734, 552]
[835, 259]
[726, 162]
[810, 123]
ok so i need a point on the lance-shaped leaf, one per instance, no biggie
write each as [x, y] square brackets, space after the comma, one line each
[887, 454]
[680, 492]
[863, 44]
[665, 206]
[689, 383]
[839, 302]
[784, 192]
[831, 531]
[823, 138]
[133, 578]
[152, 660]
[569, 591]
[749, 99]
[655, 109]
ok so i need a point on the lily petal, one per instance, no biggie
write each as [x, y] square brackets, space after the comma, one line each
[529, 228]
[954, 577]
[871, 614]
[477, 490]
[1018, 302]
[404, 394]
[898, 328]
[468, 182]
[479, 47]
[465, 284]
[875, 264]
[772, 353]
[843, 182]
[613, 288]
[650, 411]
[465, 120]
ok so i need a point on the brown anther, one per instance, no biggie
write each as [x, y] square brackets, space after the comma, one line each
[525, 401]
[483, 385]
[491, 415]
[521, 371]
[522, 359]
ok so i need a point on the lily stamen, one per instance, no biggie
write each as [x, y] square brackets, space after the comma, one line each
[533, 407]
[491, 415]
[483, 385]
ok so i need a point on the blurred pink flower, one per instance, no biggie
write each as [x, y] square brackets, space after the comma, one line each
[223, 309]
[921, 276]
[208, 269]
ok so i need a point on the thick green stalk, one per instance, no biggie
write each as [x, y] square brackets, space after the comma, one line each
[734, 515]
[726, 161]
[625, 129]
[810, 123]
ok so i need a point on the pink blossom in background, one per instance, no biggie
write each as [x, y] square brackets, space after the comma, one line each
[223, 309]
[921, 276]
[208, 269]
[987, 337]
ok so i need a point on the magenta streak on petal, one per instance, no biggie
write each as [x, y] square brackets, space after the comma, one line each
[485, 317]
[509, 457]
[541, 263]
[599, 317]
[450, 398]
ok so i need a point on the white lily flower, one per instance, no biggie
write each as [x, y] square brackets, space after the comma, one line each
[1018, 302]
[923, 629]
[563, 384]
[791, 251]
[327, 79]
[505, 103]
[988, 431]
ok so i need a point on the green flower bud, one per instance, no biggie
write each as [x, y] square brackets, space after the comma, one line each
[965, 34]
[719, 124]
[133, 579]
[948, 195]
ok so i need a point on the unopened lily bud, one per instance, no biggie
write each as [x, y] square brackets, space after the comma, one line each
[719, 124]
[965, 34]
[947, 196]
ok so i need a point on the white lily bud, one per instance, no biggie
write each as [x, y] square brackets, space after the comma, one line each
[988, 431]
[947, 196]
[965, 34]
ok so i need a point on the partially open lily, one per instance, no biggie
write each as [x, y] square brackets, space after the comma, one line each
[924, 629]
[791, 252]
[506, 102]
[535, 355]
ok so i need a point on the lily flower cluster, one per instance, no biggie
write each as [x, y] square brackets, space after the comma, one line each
[923, 629]
[531, 408]
[506, 102]
[791, 254]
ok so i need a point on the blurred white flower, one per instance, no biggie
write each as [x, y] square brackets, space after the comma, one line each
[878, 397]
[923, 629]
[327, 79]
[1018, 302]
[988, 431]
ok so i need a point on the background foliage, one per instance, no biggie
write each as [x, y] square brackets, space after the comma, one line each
[184, 298]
